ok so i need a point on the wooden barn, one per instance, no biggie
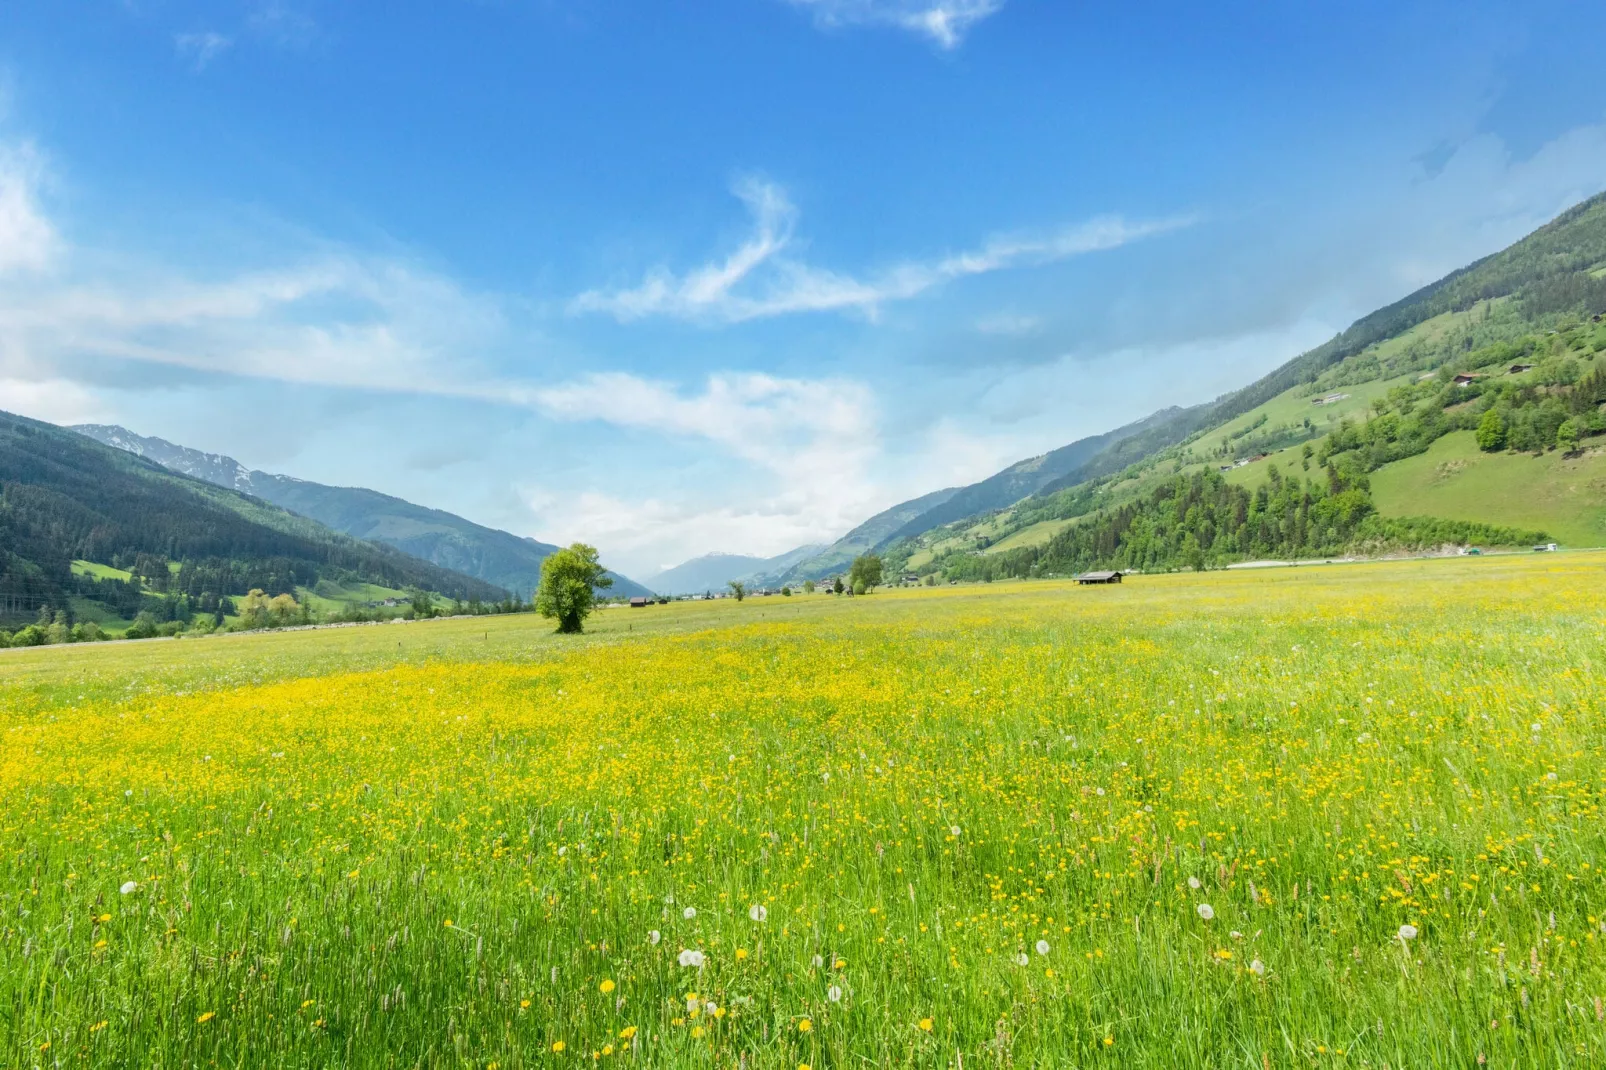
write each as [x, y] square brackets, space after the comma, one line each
[1099, 577]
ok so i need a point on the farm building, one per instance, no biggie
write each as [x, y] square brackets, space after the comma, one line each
[639, 602]
[1099, 577]
[1467, 378]
[1518, 369]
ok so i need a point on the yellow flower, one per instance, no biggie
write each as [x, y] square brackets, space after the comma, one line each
[606, 986]
[98, 1026]
[805, 1026]
[627, 1032]
[607, 1049]
[104, 918]
[524, 1004]
[1108, 1041]
[448, 923]
[741, 953]
[557, 1045]
[925, 1025]
[207, 1017]
[697, 1032]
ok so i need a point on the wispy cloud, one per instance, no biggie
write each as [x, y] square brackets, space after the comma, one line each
[200, 49]
[945, 22]
[283, 24]
[761, 278]
[27, 239]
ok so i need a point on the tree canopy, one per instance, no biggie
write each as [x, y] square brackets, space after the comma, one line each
[865, 573]
[570, 579]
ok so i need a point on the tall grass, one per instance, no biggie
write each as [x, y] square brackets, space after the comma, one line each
[911, 829]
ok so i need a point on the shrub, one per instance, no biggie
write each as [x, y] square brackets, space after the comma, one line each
[32, 635]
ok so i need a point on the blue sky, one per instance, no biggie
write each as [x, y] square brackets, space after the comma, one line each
[734, 275]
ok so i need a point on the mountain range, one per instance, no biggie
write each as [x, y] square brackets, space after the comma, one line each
[96, 528]
[711, 572]
[1535, 285]
[1385, 412]
[497, 557]
[1370, 408]
[918, 515]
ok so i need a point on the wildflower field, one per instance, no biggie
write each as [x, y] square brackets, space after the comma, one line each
[1346, 816]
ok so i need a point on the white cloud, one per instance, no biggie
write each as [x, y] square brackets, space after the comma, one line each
[760, 279]
[646, 536]
[57, 401]
[944, 21]
[27, 240]
[812, 444]
[200, 49]
[335, 319]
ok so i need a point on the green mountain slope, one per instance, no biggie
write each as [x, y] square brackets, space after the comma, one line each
[441, 538]
[1025, 478]
[1360, 413]
[1564, 495]
[64, 497]
[1548, 271]
[862, 539]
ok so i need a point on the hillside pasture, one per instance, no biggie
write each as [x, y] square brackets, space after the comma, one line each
[1564, 496]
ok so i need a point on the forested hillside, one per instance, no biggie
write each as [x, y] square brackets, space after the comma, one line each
[1505, 348]
[64, 497]
[434, 535]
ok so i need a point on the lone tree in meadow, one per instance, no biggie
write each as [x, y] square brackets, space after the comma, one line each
[568, 591]
[738, 589]
[865, 573]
